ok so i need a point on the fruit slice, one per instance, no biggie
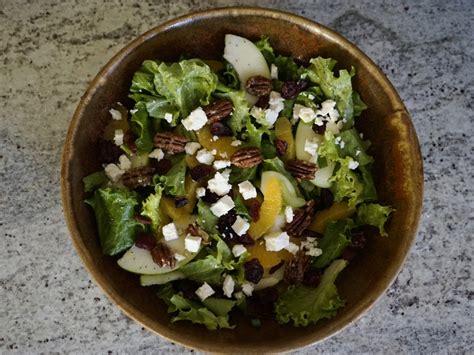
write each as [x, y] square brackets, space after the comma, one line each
[305, 132]
[288, 191]
[268, 259]
[246, 59]
[270, 208]
[190, 187]
[222, 146]
[191, 161]
[284, 132]
[180, 216]
[337, 211]
[271, 280]
[161, 279]
[322, 176]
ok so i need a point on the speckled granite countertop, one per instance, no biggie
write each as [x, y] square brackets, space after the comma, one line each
[50, 50]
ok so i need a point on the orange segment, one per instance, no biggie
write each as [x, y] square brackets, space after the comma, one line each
[270, 208]
[283, 130]
[222, 145]
[178, 215]
[268, 259]
[337, 211]
[191, 161]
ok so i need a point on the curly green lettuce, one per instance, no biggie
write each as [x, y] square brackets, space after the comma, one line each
[374, 214]
[151, 206]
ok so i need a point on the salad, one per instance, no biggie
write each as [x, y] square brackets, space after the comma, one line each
[237, 185]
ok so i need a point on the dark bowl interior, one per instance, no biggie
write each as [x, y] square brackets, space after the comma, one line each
[398, 171]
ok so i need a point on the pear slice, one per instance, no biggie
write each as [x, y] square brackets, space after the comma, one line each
[305, 132]
[246, 59]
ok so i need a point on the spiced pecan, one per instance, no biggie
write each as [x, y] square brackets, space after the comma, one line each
[301, 169]
[163, 256]
[301, 220]
[218, 110]
[195, 230]
[247, 157]
[296, 268]
[138, 177]
[258, 85]
[281, 146]
[170, 142]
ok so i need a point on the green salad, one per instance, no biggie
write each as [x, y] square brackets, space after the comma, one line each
[238, 185]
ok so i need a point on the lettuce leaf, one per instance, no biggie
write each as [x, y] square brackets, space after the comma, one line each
[206, 219]
[266, 48]
[355, 147]
[174, 180]
[229, 77]
[336, 237]
[142, 127]
[114, 211]
[151, 206]
[208, 269]
[303, 305]
[375, 215]
[238, 175]
[143, 79]
[347, 184]
[240, 114]
[94, 180]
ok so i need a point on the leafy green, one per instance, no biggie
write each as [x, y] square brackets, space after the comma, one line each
[206, 219]
[337, 236]
[359, 105]
[347, 184]
[240, 207]
[369, 193]
[375, 215]
[240, 114]
[253, 135]
[354, 147]
[303, 305]
[214, 314]
[150, 207]
[287, 68]
[229, 76]
[238, 175]
[173, 181]
[142, 127]
[266, 48]
[159, 107]
[208, 269]
[114, 211]
[94, 180]
[143, 79]
[268, 149]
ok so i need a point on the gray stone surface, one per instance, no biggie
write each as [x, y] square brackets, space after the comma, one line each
[50, 50]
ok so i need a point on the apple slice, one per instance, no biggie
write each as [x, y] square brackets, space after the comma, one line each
[246, 59]
[161, 279]
[322, 176]
[305, 132]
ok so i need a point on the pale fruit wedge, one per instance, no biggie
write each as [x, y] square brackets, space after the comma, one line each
[139, 160]
[305, 132]
[290, 196]
[322, 176]
[271, 280]
[161, 279]
[270, 208]
[337, 211]
[246, 59]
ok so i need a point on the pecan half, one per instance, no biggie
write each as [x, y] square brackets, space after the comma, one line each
[301, 220]
[301, 169]
[218, 110]
[138, 177]
[247, 157]
[258, 85]
[295, 269]
[170, 142]
[281, 146]
[197, 231]
[163, 256]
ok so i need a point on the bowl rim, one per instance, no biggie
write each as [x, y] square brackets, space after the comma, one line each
[305, 23]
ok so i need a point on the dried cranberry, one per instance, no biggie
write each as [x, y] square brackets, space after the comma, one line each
[302, 84]
[142, 219]
[145, 241]
[319, 129]
[290, 89]
[224, 226]
[129, 140]
[221, 130]
[180, 201]
[263, 102]
[253, 208]
[326, 199]
[276, 267]
[253, 270]
[246, 240]
[201, 171]
[312, 277]
[210, 197]
[108, 152]
[163, 166]
[358, 241]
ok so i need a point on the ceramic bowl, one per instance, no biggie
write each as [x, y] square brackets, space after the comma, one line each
[398, 172]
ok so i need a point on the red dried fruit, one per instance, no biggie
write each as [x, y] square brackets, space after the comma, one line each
[312, 277]
[319, 129]
[253, 270]
[210, 197]
[145, 241]
[276, 267]
[142, 219]
[180, 201]
[221, 130]
[108, 152]
[245, 239]
[290, 89]
[253, 208]
[202, 171]
[162, 166]
[326, 199]
[224, 226]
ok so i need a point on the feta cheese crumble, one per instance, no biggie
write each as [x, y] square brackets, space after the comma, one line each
[277, 241]
[205, 291]
[113, 172]
[275, 106]
[205, 157]
[236, 143]
[215, 138]
[200, 192]
[179, 257]
[222, 206]
[274, 72]
[228, 286]
[196, 120]
[292, 248]
[192, 243]
[247, 289]
[157, 154]
[168, 117]
[311, 147]
[247, 190]
[116, 114]
[191, 148]
[170, 232]
[289, 214]
[118, 137]
[238, 250]
[221, 164]
[353, 164]
[124, 162]
[240, 226]
[219, 184]
[310, 247]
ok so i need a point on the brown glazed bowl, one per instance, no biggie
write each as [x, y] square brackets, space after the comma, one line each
[398, 172]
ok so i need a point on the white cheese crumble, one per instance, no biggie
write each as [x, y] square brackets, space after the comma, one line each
[116, 114]
[247, 190]
[118, 137]
[196, 120]
[240, 226]
[200, 192]
[238, 250]
[306, 114]
[239, 295]
[310, 247]
[228, 286]
[192, 243]
[274, 72]
[221, 164]
[289, 214]
[353, 164]
[168, 117]
[236, 143]
[204, 291]
[292, 248]
[205, 157]
[191, 148]
[357, 152]
[340, 142]
[179, 257]
[276, 105]
[247, 289]
[277, 241]
[219, 184]
[124, 162]
[157, 154]
[311, 147]
[278, 224]
[215, 138]
[222, 206]
[113, 172]
[170, 232]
